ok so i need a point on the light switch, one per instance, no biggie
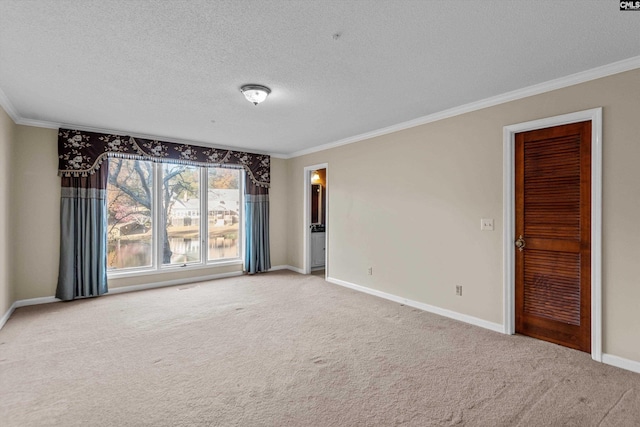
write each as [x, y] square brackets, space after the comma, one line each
[486, 224]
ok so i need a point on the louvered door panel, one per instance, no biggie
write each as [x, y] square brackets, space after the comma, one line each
[552, 293]
[552, 186]
[553, 215]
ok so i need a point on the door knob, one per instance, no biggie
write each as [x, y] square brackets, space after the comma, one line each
[520, 243]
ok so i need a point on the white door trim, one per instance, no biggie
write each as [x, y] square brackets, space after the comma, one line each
[306, 221]
[595, 116]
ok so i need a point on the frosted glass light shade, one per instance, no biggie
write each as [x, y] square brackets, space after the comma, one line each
[255, 93]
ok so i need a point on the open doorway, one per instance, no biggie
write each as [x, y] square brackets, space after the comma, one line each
[315, 222]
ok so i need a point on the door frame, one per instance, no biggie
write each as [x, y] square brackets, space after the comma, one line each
[306, 221]
[508, 253]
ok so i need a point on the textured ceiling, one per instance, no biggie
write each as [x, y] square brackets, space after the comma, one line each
[337, 69]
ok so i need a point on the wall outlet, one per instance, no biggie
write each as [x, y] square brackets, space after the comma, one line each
[370, 271]
[459, 290]
[486, 224]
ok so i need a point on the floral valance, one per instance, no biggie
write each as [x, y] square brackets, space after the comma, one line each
[81, 154]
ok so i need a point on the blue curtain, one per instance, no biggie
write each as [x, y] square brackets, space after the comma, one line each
[257, 256]
[83, 237]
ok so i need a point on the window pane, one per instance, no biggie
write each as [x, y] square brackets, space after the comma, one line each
[224, 213]
[181, 214]
[129, 205]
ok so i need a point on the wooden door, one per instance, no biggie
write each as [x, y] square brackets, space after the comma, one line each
[553, 228]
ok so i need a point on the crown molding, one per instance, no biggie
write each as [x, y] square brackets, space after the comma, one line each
[562, 82]
[38, 123]
[8, 107]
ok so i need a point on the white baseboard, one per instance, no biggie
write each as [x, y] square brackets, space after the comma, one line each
[287, 267]
[35, 301]
[175, 282]
[419, 305]
[7, 315]
[620, 362]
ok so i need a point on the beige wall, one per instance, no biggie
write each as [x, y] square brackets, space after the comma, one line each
[7, 130]
[278, 211]
[36, 211]
[409, 205]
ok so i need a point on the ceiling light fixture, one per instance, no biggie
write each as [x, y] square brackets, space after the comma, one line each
[255, 93]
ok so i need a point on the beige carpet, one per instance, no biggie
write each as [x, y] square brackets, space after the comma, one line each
[281, 349]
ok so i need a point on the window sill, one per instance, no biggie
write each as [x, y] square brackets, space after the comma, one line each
[172, 269]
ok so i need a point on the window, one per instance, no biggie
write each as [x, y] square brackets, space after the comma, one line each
[155, 220]
[130, 220]
[181, 211]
